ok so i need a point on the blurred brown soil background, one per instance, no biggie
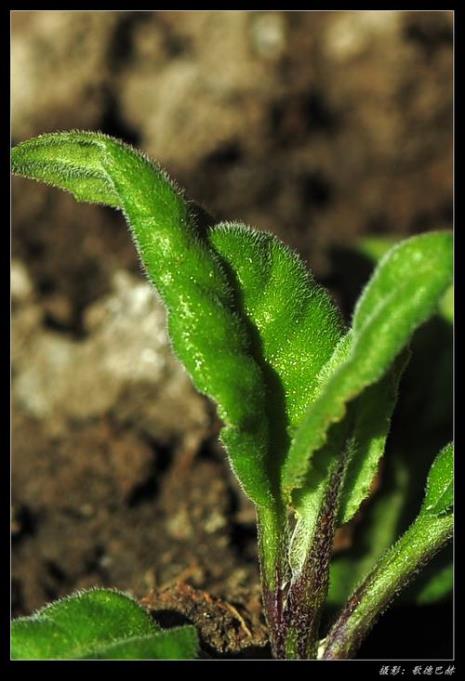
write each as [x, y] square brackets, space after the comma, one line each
[318, 126]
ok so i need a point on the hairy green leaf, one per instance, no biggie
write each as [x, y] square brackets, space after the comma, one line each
[375, 247]
[208, 334]
[245, 316]
[298, 324]
[403, 292]
[70, 161]
[96, 623]
[439, 496]
[373, 411]
[293, 321]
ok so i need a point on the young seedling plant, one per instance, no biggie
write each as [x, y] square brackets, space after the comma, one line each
[306, 402]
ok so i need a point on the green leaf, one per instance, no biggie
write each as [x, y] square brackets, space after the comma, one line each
[403, 292]
[70, 161]
[94, 623]
[421, 266]
[375, 247]
[439, 496]
[245, 316]
[208, 334]
[292, 319]
[298, 328]
[373, 411]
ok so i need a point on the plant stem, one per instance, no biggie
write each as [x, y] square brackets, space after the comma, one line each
[293, 606]
[273, 533]
[425, 537]
[307, 591]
